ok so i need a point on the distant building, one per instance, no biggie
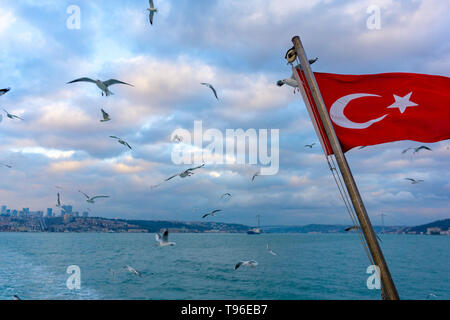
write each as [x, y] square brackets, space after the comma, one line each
[26, 212]
[49, 212]
[85, 214]
[67, 218]
[3, 211]
[67, 209]
[433, 230]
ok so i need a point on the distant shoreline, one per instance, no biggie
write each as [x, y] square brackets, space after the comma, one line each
[69, 224]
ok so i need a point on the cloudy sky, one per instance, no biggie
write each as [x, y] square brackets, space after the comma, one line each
[239, 47]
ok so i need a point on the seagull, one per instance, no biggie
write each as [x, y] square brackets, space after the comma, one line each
[163, 240]
[225, 194]
[121, 141]
[6, 165]
[211, 87]
[105, 116]
[255, 175]
[152, 10]
[133, 270]
[103, 85]
[250, 264]
[211, 213]
[58, 200]
[362, 147]
[177, 139]
[91, 200]
[358, 228]
[309, 145]
[12, 116]
[421, 148]
[184, 174]
[270, 251]
[413, 181]
[416, 149]
[431, 296]
[3, 91]
[290, 82]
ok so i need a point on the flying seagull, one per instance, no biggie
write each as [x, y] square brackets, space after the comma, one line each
[289, 81]
[413, 181]
[187, 173]
[91, 200]
[255, 175]
[358, 228]
[105, 116]
[421, 148]
[212, 213]
[211, 87]
[6, 165]
[12, 116]
[3, 91]
[58, 200]
[225, 194]
[133, 270]
[416, 149]
[270, 251]
[163, 240]
[177, 139]
[250, 264]
[152, 10]
[309, 145]
[103, 85]
[121, 141]
[184, 174]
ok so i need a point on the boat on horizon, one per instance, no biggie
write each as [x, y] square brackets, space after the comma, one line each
[256, 230]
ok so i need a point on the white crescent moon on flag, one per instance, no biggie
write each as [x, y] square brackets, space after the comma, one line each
[337, 112]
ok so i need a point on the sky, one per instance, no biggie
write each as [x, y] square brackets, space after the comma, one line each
[239, 47]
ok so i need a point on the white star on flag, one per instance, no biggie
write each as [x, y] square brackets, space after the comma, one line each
[403, 102]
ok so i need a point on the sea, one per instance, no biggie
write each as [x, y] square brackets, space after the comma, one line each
[35, 266]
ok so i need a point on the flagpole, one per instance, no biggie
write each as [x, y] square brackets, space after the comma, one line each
[388, 284]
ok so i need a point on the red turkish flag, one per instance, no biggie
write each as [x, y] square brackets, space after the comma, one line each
[379, 108]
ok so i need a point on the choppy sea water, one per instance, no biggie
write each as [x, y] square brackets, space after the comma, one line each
[201, 266]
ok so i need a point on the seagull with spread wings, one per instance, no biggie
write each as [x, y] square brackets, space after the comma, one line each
[105, 116]
[12, 116]
[186, 173]
[121, 141]
[91, 199]
[255, 175]
[133, 270]
[6, 165]
[310, 145]
[152, 10]
[413, 181]
[212, 88]
[251, 264]
[226, 195]
[102, 85]
[163, 240]
[3, 91]
[212, 213]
